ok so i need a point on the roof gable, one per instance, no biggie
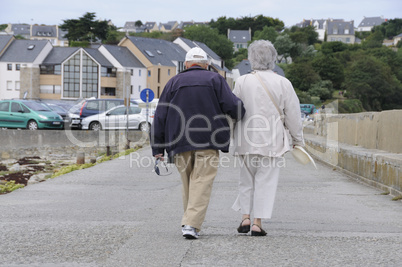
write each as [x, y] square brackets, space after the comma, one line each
[371, 21]
[159, 51]
[58, 55]
[239, 36]
[124, 56]
[23, 51]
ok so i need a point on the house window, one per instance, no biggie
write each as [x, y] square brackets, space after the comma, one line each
[159, 75]
[169, 72]
[348, 40]
[17, 66]
[108, 91]
[149, 73]
[9, 85]
[50, 69]
[17, 86]
[132, 72]
[139, 88]
[90, 71]
[139, 73]
[346, 31]
[108, 72]
[131, 89]
[9, 66]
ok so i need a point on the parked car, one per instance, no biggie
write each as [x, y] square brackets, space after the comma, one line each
[116, 118]
[93, 106]
[28, 114]
[307, 108]
[59, 110]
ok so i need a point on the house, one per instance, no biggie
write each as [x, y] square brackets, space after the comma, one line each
[244, 67]
[168, 27]
[369, 22]
[42, 71]
[124, 60]
[129, 26]
[216, 62]
[161, 58]
[239, 38]
[320, 26]
[335, 29]
[340, 30]
[52, 33]
[150, 27]
[184, 24]
[397, 39]
[23, 30]
[5, 41]
[19, 67]
[39, 32]
[72, 73]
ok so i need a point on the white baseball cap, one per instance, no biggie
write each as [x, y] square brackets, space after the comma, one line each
[302, 156]
[196, 54]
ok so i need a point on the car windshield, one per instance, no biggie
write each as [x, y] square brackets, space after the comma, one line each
[36, 106]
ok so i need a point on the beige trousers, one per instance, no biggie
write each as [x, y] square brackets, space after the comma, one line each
[198, 169]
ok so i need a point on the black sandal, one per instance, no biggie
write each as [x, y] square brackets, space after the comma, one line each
[261, 233]
[244, 229]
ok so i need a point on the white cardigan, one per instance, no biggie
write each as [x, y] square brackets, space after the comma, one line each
[261, 130]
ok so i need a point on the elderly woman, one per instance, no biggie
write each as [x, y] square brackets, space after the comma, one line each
[260, 138]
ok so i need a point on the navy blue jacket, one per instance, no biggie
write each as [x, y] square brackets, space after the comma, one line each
[191, 113]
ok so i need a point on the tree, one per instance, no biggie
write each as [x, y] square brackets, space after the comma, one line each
[86, 28]
[283, 45]
[302, 75]
[373, 40]
[267, 33]
[322, 89]
[219, 43]
[371, 81]
[333, 47]
[256, 23]
[138, 23]
[329, 68]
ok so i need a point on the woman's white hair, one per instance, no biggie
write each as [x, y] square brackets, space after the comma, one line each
[262, 55]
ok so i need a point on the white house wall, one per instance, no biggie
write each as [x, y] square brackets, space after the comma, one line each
[9, 75]
[138, 82]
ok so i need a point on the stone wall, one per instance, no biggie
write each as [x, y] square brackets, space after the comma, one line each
[66, 144]
[365, 145]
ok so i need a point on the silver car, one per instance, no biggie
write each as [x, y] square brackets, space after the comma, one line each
[116, 118]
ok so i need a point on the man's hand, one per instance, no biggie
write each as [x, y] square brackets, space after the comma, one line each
[159, 156]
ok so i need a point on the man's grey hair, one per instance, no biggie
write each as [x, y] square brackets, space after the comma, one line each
[262, 55]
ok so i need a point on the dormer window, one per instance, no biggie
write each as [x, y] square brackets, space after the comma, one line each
[335, 31]
[346, 31]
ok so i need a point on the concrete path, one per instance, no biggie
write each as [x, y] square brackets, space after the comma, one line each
[120, 213]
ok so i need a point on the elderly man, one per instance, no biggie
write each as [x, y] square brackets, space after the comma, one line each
[190, 123]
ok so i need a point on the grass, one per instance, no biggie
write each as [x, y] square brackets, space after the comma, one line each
[397, 198]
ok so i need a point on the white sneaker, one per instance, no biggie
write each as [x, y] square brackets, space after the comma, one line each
[189, 232]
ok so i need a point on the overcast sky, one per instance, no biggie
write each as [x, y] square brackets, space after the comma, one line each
[53, 12]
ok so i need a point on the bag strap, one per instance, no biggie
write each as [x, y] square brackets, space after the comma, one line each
[269, 93]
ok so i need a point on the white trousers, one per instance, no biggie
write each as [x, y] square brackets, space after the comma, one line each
[257, 185]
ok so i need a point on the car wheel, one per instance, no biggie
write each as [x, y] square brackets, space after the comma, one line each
[143, 126]
[32, 125]
[95, 126]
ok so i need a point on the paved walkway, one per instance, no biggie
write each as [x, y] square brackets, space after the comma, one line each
[120, 214]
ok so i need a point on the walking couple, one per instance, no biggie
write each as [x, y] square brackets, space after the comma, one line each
[191, 125]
